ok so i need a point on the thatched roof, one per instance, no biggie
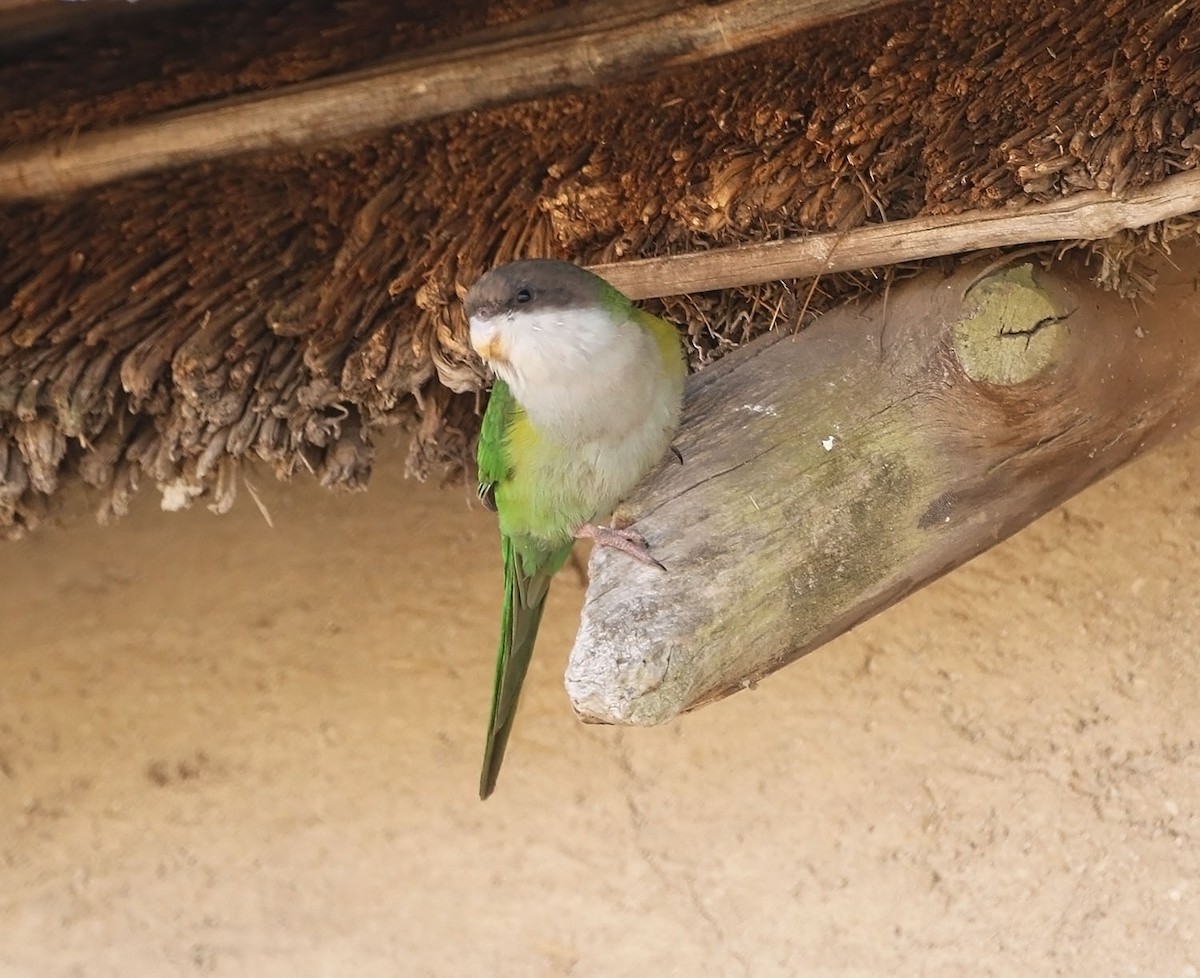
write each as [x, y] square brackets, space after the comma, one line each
[285, 305]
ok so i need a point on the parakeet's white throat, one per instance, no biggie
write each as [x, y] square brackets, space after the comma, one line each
[577, 372]
[572, 350]
[590, 373]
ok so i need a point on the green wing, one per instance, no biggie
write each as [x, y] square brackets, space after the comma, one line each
[492, 454]
[528, 567]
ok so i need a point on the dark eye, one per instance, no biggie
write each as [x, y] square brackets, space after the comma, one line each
[524, 294]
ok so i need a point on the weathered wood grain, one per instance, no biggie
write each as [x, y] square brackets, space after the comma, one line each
[828, 474]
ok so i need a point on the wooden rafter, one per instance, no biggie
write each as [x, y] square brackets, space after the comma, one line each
[1089, 216]
[584, 46]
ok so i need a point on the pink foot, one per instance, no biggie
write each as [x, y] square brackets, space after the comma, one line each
[627, 541]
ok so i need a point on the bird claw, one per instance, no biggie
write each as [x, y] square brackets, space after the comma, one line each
[627, 541]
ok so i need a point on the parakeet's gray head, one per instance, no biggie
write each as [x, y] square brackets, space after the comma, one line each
[527, 315]
[583, 363]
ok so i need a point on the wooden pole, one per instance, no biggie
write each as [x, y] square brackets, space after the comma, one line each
[586, 45]
[1088, 215]
[828, 474]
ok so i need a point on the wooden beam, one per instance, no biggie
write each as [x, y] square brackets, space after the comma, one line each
[1087, 215]
[582, 46]
[828, 474]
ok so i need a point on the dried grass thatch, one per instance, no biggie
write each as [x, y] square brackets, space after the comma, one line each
[282, 307]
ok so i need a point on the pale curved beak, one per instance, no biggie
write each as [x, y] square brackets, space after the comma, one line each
[487, 342]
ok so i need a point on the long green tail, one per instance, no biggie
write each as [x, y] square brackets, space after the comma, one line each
[524, 598]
